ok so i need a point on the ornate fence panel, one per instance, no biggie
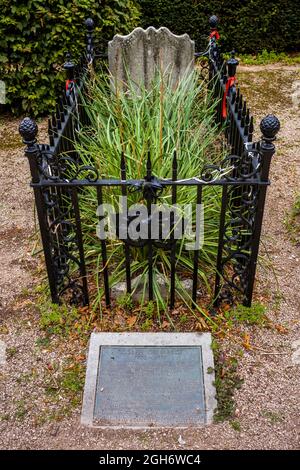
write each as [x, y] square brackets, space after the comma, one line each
[58, 177]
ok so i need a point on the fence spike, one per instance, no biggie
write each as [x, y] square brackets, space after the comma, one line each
[247, 122]
[237, 101]
[50, 133]
[149, 168]
[240, 107]
[233, 97]
[62, 104]
[251, 128]
[65, 102]
[248, 116]
[244, 112]
[224, 71]
[241, 102]
[123, 166]
[49, 125]
[61, 109]
[68, 99]
[54, 125]
[174, 163]
[57, 115]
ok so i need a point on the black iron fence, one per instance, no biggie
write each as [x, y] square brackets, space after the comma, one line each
[58, 177]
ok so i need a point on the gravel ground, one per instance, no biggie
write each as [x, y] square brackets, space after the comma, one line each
[267, 405]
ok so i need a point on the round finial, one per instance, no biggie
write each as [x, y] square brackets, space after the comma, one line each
[270, 126]
[232, 61]
[213, 21]
[89, 23]
[68, 64]
[28, 130]
[232, 64]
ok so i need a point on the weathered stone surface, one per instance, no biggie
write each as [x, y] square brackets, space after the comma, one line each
[137, 283]
[142, 52]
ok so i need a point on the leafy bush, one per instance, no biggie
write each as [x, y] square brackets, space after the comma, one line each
[35, 35]
[248, 27]
[265, 57]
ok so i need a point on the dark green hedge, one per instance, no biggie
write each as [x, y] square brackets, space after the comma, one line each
[35, 35]
[248, 26]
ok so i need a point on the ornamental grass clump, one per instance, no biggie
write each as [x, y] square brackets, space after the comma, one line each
[150, 124]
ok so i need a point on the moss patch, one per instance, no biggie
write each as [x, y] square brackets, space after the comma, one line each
[227, 380]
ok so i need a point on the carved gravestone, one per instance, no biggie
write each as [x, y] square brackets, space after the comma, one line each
[142, 53]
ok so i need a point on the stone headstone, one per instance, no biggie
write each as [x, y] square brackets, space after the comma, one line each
[142, 53]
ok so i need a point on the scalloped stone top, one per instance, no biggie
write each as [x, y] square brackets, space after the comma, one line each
[142, 52]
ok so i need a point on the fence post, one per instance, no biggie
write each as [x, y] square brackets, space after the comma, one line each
[89, 23]
[70, 92]
[28, 131]
[269, 127]
[69, 68]
[213, 23]
[213, 48]
[230, 89]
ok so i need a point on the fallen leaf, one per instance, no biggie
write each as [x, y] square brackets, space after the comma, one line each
[165, 324]
[4, 330]
[79, 358]
[201, 325]
[84, 309]
[281, 329]
[131, 320]
[246, 342]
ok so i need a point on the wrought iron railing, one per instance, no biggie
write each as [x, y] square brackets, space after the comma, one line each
[58, 177]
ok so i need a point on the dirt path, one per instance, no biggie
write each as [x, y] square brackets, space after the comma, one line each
[267, 403]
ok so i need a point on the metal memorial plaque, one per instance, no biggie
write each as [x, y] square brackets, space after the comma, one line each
[139, 384]
[154, 385]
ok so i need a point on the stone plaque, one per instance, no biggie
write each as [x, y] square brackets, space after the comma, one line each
[150, 385]
[149, 380]
[142, 53]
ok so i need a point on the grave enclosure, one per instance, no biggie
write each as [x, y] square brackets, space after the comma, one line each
[243, 184]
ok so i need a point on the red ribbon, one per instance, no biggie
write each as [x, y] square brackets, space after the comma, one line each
[215, 34]
[67, 83]
[230, 82]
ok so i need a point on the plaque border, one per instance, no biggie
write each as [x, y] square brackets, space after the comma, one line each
[100, 339]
